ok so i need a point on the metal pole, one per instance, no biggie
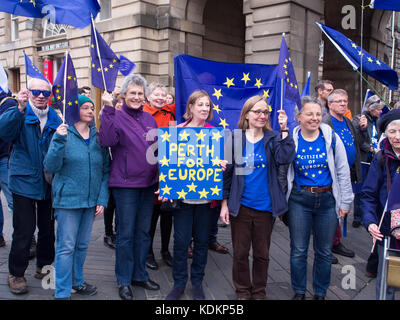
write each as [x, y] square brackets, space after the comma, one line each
[65, 84]
[98, 53]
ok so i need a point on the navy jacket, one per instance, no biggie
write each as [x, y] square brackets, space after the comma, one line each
[25, 172]
[374, 192]
[279, 152]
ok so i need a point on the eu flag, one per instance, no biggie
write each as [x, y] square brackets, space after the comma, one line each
[125, 66]
[31, 69]
[287, 74]
[67, 84]
[229, 85]
[109, 62]
[354, 55]
[306, 89]
[76, 13]
[392, 5]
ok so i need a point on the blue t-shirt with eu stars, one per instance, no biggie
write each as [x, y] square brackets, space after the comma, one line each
[347, 138]
[311, 163]
[256, 188]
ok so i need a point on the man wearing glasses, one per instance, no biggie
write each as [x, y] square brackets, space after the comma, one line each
[29, 127]
[338, 102]
[322, 90]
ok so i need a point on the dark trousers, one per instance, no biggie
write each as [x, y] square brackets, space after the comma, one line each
[109, 216]
[165, 227]
[191, 220]
[214, 225]
[251, 228]
[27, 214]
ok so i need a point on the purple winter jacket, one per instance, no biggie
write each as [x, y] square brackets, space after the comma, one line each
[125, 132]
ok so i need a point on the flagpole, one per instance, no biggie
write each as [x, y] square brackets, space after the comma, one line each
[393, 51]
[283, 35]
[26, 74]
[98, 53]
[361, 58]
[65, 84]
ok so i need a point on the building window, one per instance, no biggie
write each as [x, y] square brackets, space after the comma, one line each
[105, 12]
[50, 29]
[14, 28]
[15, 81]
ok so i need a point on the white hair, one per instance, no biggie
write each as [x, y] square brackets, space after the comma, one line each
[31, 80]
[395, 122]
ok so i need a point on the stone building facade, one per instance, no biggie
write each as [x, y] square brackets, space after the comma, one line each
[152, 32]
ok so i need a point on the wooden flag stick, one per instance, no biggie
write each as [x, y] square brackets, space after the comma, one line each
[98, 53]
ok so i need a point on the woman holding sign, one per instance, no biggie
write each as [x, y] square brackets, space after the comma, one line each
[319, 192]
[252, 193]
[193, 216]
[133, 181]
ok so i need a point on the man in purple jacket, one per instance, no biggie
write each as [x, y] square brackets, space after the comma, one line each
[133, 181]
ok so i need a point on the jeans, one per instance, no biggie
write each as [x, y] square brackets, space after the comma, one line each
[190, 220]
[316, 212]
[26, 211]
[134, 208]
[6, 191]
[74, 227]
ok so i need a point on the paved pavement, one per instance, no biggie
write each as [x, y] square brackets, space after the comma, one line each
[348, 281]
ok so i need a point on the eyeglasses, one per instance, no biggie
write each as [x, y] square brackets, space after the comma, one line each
[340, 101]
[258, 112]
[37, 93]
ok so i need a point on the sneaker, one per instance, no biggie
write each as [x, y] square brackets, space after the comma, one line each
[32, 249]
[84, 289]
[2, 242]
[17, 285]
[39, 274]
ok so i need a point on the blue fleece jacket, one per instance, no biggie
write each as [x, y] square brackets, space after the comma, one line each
[80, 170]
[30, 145]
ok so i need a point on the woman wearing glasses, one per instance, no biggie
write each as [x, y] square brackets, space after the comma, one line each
[253, 197]
[319, 192]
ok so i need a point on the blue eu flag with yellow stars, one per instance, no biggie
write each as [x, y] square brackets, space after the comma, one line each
[66, 82]
[392, 5]
[229, 85]
[109, 65]
[356, 57]
[76, 13]
[31, 69]
[286, 73]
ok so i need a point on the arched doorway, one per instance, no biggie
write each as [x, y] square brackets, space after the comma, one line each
[224, 38]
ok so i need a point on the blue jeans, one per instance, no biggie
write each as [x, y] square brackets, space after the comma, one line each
[4, 187]
[190, 220]
[316, 212]
[74, 227]
[134, 208]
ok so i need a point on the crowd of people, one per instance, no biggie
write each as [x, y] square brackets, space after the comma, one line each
[309, 178]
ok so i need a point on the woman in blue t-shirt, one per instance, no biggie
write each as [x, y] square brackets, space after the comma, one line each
[319, 192]
[252, 194]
